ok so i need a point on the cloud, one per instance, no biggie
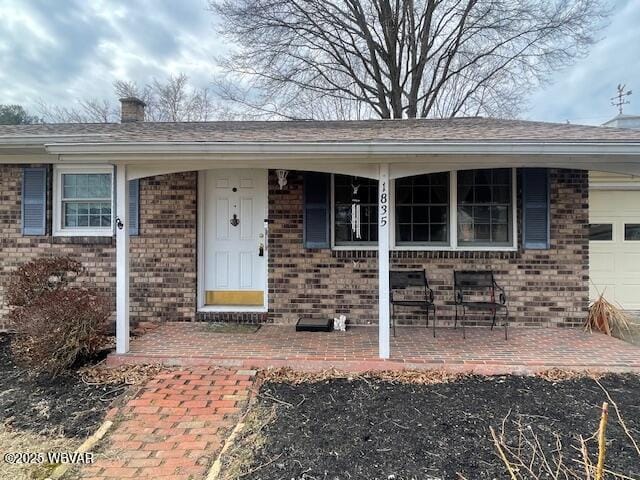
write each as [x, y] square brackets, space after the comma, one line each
[70, 49]
[581, 93]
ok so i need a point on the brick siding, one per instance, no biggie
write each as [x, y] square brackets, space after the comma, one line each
[163, 257]
[543, 286]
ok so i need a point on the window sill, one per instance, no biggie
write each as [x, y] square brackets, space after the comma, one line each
[84, 233]
[426, 248]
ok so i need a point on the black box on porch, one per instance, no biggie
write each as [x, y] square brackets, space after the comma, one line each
[308, 324]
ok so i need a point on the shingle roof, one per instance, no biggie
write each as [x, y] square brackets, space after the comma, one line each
[474, 129]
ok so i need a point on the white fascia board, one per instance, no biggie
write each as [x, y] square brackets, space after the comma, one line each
[369, 149]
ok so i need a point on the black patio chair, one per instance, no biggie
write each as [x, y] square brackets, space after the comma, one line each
[415, 293]
[481, 287]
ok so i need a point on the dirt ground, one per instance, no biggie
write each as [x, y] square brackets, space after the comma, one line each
[64, 405]
[40, 415]
[365, 429]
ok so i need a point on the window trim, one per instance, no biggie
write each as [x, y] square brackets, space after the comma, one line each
[453, 225]
[58, 229]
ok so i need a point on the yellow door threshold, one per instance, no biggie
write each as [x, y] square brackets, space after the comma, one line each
[234, 297]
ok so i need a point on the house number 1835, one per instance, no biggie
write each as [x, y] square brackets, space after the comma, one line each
[384, 207]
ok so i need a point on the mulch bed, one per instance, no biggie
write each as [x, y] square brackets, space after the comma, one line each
[64, 405]
[362, 428]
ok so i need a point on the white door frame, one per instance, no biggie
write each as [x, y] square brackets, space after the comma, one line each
[201, 307]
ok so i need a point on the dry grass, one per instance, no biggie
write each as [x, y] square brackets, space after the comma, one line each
[605, 317]
[237, 461]
[418, 377]
[124, 374]
[560, 375]
[20, 441]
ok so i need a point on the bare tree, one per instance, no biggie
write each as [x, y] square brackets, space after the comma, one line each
[170, 100]
[91, 110]
[399, 58]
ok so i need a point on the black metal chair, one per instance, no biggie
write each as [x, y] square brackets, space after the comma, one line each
[415, 293]
[481, 287]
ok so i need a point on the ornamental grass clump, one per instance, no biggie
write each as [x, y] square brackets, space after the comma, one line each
[607, 318]
[57, 321]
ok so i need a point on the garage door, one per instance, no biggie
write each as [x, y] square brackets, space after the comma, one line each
[615, 246]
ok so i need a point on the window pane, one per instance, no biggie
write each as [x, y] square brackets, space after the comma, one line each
[440, 194]
[404, 233]
[439, 233]
[481, 215]
[421, 233]
[601, 231]
[485, 207]
[86, 186]
[500, 233]
[360, 192]
[83, 214]
[403, 215]
[438, 214]
[465, 215]
[632, 231]
[373, 233]
[343, 233]
[482, 194]
[421, 202]
[403, 195]
[421, 214]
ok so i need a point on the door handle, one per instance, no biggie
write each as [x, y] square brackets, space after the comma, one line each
[261, 250]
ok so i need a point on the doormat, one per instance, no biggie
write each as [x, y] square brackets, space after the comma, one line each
[306, 324]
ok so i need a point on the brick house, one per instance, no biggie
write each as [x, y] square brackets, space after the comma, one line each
[269, 221]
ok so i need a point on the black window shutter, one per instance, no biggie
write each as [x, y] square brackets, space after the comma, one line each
[34, 200]
[535, 208]
[134, 207]
[316, 210]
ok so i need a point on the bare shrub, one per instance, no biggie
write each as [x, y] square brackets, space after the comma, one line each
[35, 278]
[56, 324]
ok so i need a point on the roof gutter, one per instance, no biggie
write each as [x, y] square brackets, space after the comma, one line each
[368, 149]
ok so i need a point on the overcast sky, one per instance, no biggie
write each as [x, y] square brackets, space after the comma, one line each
[60, 50]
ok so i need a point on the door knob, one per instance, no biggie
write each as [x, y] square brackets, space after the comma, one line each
[261, 250]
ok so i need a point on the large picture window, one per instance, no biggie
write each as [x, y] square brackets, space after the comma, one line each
[84, 201]
[355, 210]
[484, 209]
[467, 209]
[422, 210]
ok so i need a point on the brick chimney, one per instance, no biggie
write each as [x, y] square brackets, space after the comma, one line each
[132, 110]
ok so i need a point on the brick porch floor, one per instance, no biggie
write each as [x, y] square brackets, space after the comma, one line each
[484, 351]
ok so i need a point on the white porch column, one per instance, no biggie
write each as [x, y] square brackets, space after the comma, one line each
[122, 260]
[383, 261]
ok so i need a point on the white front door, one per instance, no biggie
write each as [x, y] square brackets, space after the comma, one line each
[235, 266]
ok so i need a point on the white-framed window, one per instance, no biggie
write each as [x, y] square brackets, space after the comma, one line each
[354, 211]
[485, 207]
[83, 200]
[457, 210]
[422, 204]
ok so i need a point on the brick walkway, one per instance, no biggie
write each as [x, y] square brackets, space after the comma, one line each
[483, 351]
[175, 427]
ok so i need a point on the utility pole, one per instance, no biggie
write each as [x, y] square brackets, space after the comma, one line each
[621, 98]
